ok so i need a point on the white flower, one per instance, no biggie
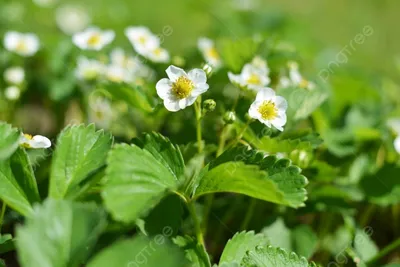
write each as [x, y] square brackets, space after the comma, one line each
[254, 75]
[14, 75]
[394, 124]
[142, 39]
[12, 93]
[37, 141]
[397, 144]
[100, 112]
[88, 69]
[72, 19]
[118, 74]
[24, 44]
[158, 55]
[210, 54]
[181, 89]
[93, 38]
[269, 109]
[295, 78]
[45, 3]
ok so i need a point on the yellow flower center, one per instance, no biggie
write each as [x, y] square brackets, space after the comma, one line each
[254, 79]
[157, 51]
[21, 46]
[304, 83]
[142, 39]
[182, 87]
[29, 137]
[94, 39]
[268, 110]
[212, 53]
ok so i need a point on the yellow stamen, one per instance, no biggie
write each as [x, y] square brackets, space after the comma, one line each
[304, 83]
[94, 39]
[268, 110]
[212, 53]
[21, 46]
[142, 39]
[28, 137]
[182, 87]
[157, 51]
[254, 79]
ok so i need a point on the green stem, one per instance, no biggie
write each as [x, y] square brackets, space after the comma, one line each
[366, 216]
[3, 211]
[249, 214]
[197, 109]
[240, 135]
[197, 227]
[386, 250]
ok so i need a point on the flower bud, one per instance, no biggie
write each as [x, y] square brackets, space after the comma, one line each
[208, 70]
[209, 105]
[229, 117]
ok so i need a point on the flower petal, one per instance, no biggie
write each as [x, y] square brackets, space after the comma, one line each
[281, 103]
[265, 94]
[171, 104]
[174, 73]
[197, 76]
[253, 110]
[163, 88]
[397, 144]
[39, 141]
[200, 89]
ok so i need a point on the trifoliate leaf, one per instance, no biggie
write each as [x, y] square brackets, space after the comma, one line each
[271, 256]
[240, 243]
[135, 182]
[59, 233]
[140, 251]
[80, 151]
[194, 252]
[8, 141]
[18, 184]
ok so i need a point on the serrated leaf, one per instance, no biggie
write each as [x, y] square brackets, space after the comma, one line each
[194, 252]
[140, 251]
[80, 151]
[18, 184]
[240, 243]
[164, 151]
[135, 182]
[8, 141]
[277, 145]
[271, 256]
[59, 233]
[282, 173]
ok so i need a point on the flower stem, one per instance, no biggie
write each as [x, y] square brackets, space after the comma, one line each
[386, 250]
[197, 109]
[240, 135]
[249, 214]
[3, 211]
[197, 227]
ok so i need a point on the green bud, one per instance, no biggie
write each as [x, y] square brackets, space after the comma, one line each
[209, 105]
[229, 117]
[208, 70]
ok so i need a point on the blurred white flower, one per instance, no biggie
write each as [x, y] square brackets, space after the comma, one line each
[89, 69]
[93, 38]
[72, 19]
[142, 39]
[14, 75]
[295, 78]
[269, 109]
[45, 3]
[100, 112]
[24, 44]
[210, 53]
[397, 144]
[158, 55]
[12, 93]
[254, 75]
[181, 89]
[118, 74]
[245, 5]
[394, 124]
[37, 141]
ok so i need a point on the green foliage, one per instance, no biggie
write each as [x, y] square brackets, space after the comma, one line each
[80, 152]
[59, 233]
[194, 252]
[9, 140]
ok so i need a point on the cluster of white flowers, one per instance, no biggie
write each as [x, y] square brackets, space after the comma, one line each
[147, 44]
[37, 141]
[209, 52]
[254, 75]
[23, 44]
[394, 124]
[14, 77]
[295, 79]
[93, 38]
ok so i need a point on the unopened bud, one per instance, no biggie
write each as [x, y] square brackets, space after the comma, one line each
[229, 117]
[209, 105]
[208, 70]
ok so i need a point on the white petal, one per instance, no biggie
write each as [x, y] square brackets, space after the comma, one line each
[253, 110]
[397, 144]
[235, 79]
[205, 43]
[265, 94]
[281, 103]
[39, 141]
[79, 39]
[163, 88]
[11, 40]
[279, 121]
[199, 89]
[108, 36]
[171, 104]
[295, 76]
[32, 42]
[395, 125]
[174, 73]
[197, 76]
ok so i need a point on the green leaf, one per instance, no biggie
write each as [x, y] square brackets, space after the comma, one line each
[194, 252]
[364, 245]
[278, 145]
[140, 251]
[236, 53]
[18, 184]
[135, 97]
[164, 151]
[59, 233]
[282, 173]
[240, 243]
[279, 235]
[135, 182]
[8, 141]
[80, 151]
[271, 256]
